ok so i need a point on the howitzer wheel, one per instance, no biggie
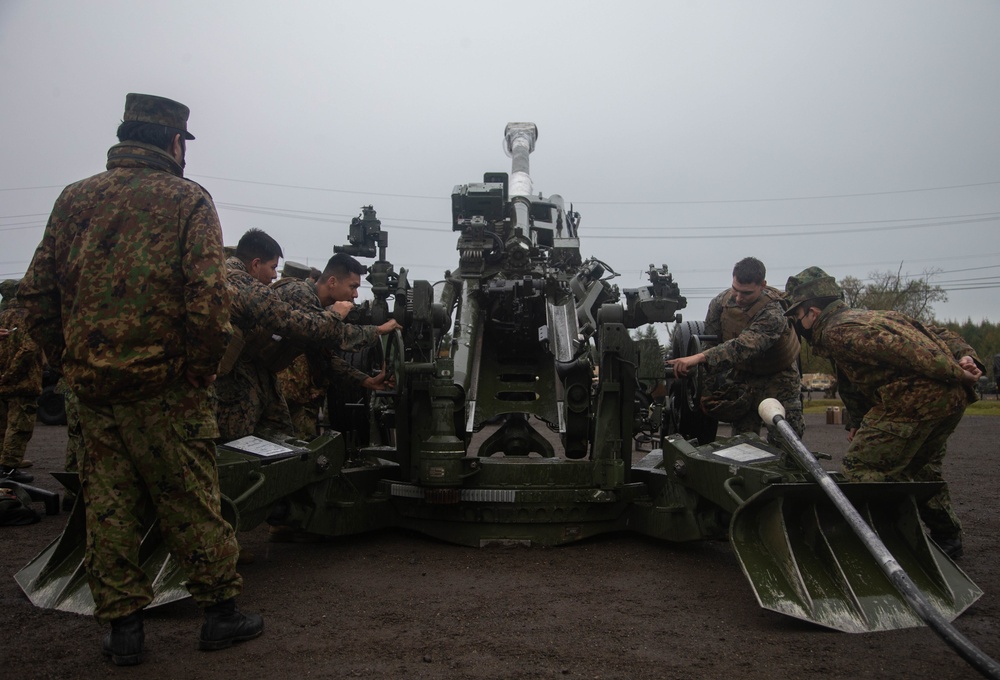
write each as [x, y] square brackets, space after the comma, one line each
[684, 394]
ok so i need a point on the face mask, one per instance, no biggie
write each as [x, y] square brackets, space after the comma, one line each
[803, 333]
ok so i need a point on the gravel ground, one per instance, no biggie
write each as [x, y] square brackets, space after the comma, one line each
[397, 605]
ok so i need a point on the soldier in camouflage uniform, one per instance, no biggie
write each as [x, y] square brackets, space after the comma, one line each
[271, 333]
[127, 294]
[338, 283]
[300, 385]
[20, 384]
[759, 351]
[907, 386]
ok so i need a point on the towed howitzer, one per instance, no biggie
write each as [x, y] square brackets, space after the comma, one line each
[498, 431]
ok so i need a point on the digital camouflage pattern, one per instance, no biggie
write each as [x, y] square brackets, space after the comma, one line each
[248, 399]
[734, 354]
[304, 383]
[901, 382]
[20, 383]
[303, 397]
[148, 108]
[127, 289]
[74, 432]
[21, 359]
[302, 295]
[167, 442]
[17, 418]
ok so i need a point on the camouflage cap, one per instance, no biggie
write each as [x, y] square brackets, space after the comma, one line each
[8, 288]
[148, 108]
[295, 270]
[810, 284]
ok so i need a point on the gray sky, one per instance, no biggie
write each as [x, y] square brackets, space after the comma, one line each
[856, 135]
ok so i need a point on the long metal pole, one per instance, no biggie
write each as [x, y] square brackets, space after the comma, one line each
[771, 411]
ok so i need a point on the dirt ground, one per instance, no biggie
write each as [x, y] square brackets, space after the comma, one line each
[398, 605]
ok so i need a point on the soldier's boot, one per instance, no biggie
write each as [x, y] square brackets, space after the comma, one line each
[225, 624]
[124, 643]
[15, 475]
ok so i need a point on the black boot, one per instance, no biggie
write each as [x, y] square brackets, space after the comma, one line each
[124, 643]
[224, 625]
[15, 475]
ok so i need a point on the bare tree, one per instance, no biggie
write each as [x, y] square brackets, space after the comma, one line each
[911, 295]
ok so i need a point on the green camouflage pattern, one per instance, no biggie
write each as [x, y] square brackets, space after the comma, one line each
[764, 330]
[809, 284]
[302, 295]
[905, 369]
[901, 382]
[148, 108]
[886, 450]
[17, 418]
[21, 359]
[154, 456]
[126, 315]
[248, 399]
[127, 292]
[74, 433]
[303, 396]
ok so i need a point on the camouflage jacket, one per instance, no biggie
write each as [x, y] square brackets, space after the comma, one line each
[302, 294]
[20, 357]
[893, 364]
[127, 289]
[764, 330]
[258, 308]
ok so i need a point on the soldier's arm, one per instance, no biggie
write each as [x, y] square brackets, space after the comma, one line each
[339, 367]
[958, 347]
[39, 293]
[207, 297]
[764, 330]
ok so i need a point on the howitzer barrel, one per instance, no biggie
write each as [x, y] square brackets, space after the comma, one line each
[519, 142]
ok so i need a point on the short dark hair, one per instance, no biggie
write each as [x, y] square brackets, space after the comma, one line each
[340, 265]
[257, 244]
[750, 270]
[159, 136]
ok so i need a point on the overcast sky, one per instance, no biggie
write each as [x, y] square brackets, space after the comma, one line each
[858, 136]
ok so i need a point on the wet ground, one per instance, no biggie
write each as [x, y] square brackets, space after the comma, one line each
[398, 605]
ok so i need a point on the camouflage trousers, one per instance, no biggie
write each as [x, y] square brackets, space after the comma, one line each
[74, 433]
[889, 450]
[248, 401]
[786, 388]
[305, 419]
[146, 460]
[17, 418]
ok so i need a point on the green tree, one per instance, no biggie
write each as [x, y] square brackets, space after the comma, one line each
[650, 354]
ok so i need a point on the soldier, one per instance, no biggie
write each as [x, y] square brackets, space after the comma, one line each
[300, 383]
[248, 399]
[338, 283]
[127, 293]
[20, 385]
[905, 387]
[758, 355]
